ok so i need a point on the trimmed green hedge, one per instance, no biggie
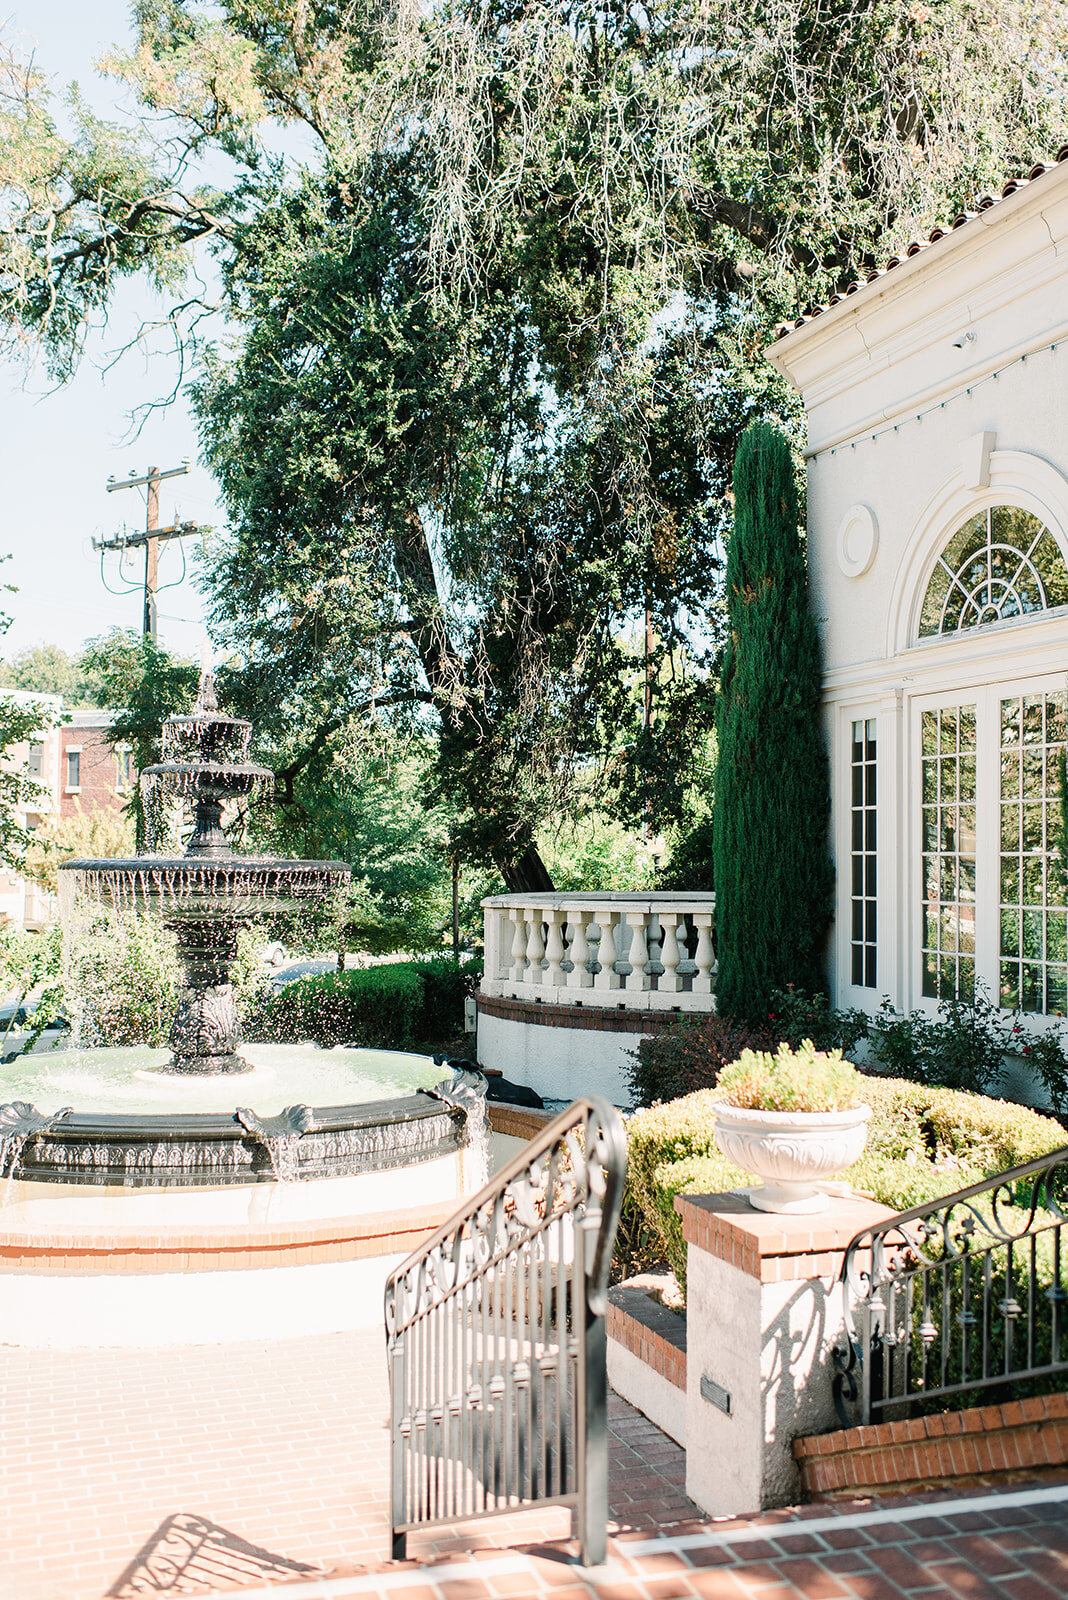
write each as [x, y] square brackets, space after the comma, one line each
[923, 1142]
[389, 1007]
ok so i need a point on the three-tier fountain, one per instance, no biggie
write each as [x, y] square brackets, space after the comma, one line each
[217, 1156]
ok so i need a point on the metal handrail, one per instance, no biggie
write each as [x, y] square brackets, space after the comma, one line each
[495, 1331]
[954, 1297]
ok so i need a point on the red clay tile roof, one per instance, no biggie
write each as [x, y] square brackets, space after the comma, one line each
[914, 246]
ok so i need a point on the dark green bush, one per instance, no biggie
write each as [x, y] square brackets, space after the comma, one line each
[388, 1007]
[691, 1054]
[964, 1047]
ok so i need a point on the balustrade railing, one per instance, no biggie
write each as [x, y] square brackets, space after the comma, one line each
[647, 952]
[496, 1340]
[958, 1297]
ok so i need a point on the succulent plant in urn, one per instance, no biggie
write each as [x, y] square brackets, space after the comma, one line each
[793, 1118]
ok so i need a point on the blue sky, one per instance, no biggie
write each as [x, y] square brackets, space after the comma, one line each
[58, 448]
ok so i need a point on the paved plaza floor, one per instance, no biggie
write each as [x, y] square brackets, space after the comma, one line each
[264, 1468]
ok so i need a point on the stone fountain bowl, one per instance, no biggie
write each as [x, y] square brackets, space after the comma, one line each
[237, 888]
[202, 1149]
[181, 780]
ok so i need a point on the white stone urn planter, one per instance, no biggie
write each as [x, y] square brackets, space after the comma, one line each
[791, 1151]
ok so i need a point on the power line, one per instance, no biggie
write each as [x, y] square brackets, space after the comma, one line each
[152, 537]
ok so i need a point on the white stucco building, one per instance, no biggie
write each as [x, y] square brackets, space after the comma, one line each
[937, 404]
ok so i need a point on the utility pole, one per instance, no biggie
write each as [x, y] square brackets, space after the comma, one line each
[152, 535]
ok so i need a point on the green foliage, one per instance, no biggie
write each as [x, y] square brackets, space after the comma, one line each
[772, 869]
[391, 1007]
[795, 1014]
[148, 685]
[121, 978]
[104, 831]
[21, 722]
[690, 866]
[964, 1047]
[121, 981]
[922, 1142]
[690, 1055]
[805, 1079]
[48, 669]
[594, 853]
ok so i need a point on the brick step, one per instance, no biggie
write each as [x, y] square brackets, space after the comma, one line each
[984, 1445]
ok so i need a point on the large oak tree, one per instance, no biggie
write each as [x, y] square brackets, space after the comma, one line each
[488, 343]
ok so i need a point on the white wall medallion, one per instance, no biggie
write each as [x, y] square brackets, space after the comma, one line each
[858, 540]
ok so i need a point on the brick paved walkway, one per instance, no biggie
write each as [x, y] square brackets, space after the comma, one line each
[258, 1466]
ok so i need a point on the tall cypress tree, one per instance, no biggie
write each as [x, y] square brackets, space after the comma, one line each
[773, 873]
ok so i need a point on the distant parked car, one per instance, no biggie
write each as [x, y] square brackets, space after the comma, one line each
[17, 1020]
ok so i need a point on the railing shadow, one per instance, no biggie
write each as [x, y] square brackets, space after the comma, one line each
[188, 1553]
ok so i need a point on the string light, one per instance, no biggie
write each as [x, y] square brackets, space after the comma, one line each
[991, 377]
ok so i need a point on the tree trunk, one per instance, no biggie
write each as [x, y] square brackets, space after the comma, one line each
[527, 874]
[443, 668]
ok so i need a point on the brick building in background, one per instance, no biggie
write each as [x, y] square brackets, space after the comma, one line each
[77, 768]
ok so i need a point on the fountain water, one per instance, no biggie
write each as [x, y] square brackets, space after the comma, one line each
[382, 1131]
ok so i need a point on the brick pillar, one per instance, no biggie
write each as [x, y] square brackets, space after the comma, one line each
[763, 1313]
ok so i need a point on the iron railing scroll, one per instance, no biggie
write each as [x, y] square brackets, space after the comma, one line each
[496, 1340]
[957, 1297]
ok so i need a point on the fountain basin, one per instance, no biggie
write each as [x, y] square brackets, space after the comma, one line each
[137, 1227]
[124, 1130]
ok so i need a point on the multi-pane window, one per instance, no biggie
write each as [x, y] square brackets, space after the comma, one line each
[1033, 952]
[36, 759]
[1003, 563]
[123, 768]
[863, 856]
[948, 862]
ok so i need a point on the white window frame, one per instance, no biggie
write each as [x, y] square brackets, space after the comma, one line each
[72, 750]
[987, 698]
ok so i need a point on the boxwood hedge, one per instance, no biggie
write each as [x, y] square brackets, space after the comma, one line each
[923, 1142]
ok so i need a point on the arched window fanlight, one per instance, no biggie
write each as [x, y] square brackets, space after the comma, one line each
[1003, 563]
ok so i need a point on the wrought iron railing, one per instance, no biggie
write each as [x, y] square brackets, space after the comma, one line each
[495, 1331]
[957, 1297]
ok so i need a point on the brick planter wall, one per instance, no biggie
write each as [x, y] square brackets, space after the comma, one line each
[647, 1357]
[984, 1445]
[650, 1331]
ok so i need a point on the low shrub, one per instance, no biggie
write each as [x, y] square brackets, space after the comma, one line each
[691, 1054]
[924, 1142]
[964, 1047]
[389, 1007]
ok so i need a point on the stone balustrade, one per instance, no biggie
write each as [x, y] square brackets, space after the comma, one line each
[643, 952]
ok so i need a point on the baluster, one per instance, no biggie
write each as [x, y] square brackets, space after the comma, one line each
[535, 948]
[638, 980]
[670, 954]
[578, 977]
[705, 957]
[495, 964]
[608, 977]
[554, 950]
[519, 944]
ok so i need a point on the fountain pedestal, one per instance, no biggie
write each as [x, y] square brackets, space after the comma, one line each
[204, 1033]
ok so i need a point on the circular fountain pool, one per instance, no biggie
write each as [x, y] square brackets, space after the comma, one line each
[134, 1080]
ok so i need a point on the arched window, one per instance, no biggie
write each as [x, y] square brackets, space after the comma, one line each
[1001, 564]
